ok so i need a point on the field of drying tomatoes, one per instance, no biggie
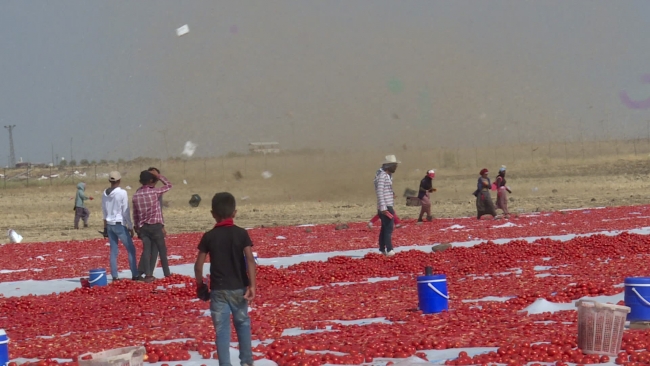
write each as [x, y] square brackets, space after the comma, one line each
[70, 259]
[318, 299]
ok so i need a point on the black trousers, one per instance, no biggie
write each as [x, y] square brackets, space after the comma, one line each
[153, 241]
[386, 232]
[142, 268]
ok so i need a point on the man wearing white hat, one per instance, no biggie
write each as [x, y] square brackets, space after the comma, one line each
[385, 202]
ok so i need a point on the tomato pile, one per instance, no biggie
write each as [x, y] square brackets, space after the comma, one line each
[52, 260]
[561, 351]
[319, 299]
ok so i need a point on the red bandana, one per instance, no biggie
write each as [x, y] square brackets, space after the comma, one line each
[226, 222]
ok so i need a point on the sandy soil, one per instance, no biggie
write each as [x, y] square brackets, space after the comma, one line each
[325, 189]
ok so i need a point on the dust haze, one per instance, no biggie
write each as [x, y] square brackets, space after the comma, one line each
[333, 75]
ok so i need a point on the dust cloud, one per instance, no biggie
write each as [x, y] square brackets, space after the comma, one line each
[332, 75]
[346, 76]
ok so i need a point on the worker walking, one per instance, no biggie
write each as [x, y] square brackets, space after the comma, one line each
[80, 210]
[426, 187]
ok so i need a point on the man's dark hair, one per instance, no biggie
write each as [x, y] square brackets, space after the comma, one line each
[223, 205]
[146, 177]
[151, 169]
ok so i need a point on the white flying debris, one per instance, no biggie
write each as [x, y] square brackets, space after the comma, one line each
[267, 174]
[184, 181]
[189, 149]
[14, 237]
[183, 30]
[128, 187]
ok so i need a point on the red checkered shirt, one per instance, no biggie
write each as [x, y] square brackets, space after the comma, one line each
[146, 204]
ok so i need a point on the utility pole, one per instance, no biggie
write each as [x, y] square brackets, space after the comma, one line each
[52, 155]
[12, 155]
[71, 158]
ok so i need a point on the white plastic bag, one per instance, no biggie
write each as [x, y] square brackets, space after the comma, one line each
[14, 237]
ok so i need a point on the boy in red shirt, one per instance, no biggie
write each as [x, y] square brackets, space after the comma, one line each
[232, 289]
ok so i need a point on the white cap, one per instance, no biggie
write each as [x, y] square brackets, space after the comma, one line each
[114, 176]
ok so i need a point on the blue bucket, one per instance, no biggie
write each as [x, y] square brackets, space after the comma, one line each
[97, 277]
[4, 348]
[245, 262]
[637, 298]
[432, 294]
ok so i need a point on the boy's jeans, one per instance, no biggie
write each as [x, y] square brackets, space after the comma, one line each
[222, 303]
[115, 232]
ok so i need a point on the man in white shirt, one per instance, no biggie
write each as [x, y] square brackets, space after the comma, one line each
[117, 220]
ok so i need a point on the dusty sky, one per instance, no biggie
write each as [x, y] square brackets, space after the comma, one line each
[335, 74]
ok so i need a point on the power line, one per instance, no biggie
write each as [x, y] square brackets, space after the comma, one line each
[12, 155]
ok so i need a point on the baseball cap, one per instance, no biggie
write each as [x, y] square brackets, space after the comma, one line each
[114, 176]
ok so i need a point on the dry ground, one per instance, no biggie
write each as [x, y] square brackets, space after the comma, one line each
[322, 188]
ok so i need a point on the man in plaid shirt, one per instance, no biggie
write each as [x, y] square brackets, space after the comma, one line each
[385, 202]
[154, 250]
[148, 221]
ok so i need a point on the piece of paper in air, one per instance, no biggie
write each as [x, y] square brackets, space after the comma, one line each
[183, 30]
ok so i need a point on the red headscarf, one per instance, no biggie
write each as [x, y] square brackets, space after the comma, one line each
[483, 171]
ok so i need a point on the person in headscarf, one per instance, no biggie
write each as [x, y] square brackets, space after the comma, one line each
[426, 187]
[80, 210]
[502, 191]
[484, 204]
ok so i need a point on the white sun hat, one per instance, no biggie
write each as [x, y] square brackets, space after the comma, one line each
[391, 159]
